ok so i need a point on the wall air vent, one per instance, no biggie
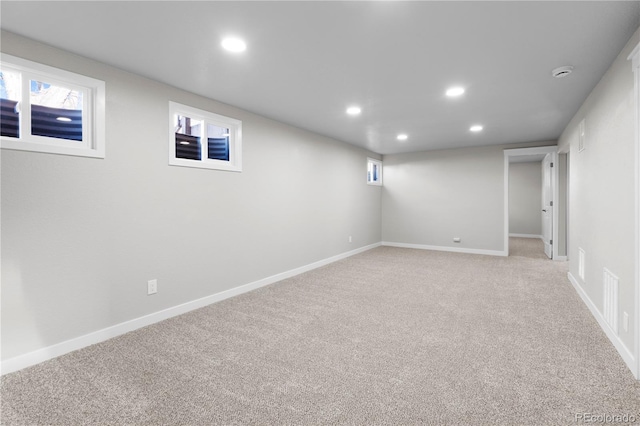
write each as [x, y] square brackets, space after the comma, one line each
[610, 313]
[581, 136]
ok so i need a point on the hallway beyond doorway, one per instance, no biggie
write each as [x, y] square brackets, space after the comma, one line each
[527, 247]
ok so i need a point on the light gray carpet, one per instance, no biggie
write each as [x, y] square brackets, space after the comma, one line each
[527, 247]
[391, 336]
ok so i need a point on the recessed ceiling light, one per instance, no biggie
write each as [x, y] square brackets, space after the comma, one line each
[452, 92]
[402, 137]
[233, 44]
[65, 119]
[476, 128]
[354, 110]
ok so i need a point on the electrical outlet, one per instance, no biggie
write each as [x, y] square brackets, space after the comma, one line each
[350, 239]
[456, 239]
[625, 321]
[152, 287]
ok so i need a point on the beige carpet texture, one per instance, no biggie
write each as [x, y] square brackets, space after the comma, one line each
[391, 336]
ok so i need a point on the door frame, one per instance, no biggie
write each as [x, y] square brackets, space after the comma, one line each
[517, 152]
[548, 161]
[634, 57]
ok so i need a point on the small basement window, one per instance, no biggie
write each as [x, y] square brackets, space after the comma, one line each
[46, 109]
[374, 172]
[203, 139]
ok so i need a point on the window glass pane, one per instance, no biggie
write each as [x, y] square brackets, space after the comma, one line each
[202, 139]
[9, 108]
[56, 111]
[218, 141]
[373, 172]
[188, 132]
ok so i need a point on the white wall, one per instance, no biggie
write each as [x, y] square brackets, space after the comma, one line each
[562, 205]
[525, 198]
[601, 196]
[81, 236]
[431, 197]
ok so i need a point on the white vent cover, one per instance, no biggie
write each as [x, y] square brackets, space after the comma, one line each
[562, 71]
[611, 282]
[581, 136]
[581, 264]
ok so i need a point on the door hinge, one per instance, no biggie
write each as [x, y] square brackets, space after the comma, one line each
[551, 165]
[551, 204]
[550, 242]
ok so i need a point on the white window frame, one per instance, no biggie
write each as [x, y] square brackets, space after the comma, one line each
[370, 181]
[235, 139]
[93, 110]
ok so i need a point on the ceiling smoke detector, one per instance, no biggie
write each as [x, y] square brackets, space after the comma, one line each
[562, 71]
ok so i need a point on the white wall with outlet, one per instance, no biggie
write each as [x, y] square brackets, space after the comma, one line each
[152, 287]
[87, 235]
[431, 197]
[601, 197]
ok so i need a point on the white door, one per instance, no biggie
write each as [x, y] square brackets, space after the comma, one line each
[547, 205]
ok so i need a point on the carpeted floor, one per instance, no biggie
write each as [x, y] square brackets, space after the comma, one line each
[391, 336]
[527, 247]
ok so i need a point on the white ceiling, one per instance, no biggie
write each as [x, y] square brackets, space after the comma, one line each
[307, 61]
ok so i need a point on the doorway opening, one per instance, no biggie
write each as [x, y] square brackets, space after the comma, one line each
[531, 208]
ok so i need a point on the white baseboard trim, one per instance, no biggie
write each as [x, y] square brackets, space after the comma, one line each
[444, 248]
[560, 258]
[525, 236]
[624, 352]
[54, 351]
